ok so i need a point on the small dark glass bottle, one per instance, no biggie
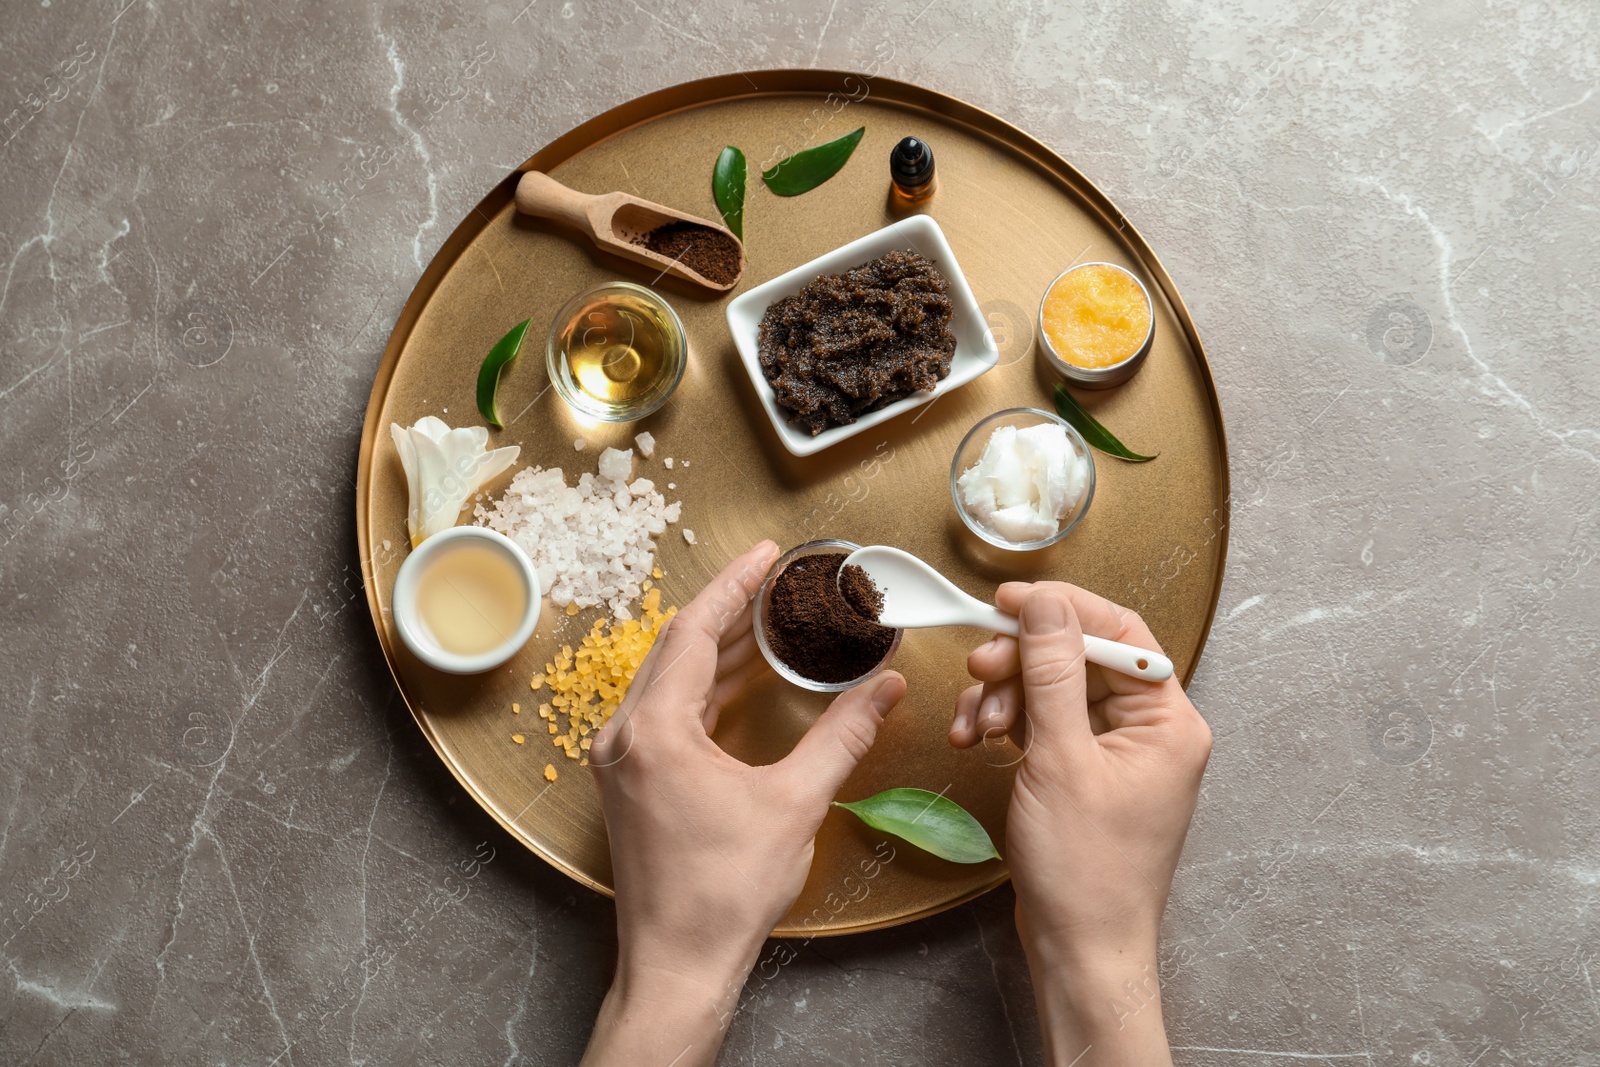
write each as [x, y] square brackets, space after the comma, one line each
[911, 170]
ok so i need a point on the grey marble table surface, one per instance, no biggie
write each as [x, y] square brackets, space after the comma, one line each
[224, 841]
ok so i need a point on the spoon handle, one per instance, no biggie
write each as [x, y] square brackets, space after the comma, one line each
[1124, 659]
[1127, 659]
[541, 195]
[988, 617]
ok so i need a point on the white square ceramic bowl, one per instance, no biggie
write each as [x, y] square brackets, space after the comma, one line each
[975, 348]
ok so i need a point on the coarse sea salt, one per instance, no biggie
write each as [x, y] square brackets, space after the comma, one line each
[592, 543]
[615, 465]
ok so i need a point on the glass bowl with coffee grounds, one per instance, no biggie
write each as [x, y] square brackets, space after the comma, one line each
[809, 632]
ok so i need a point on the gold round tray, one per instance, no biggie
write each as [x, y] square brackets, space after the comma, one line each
[1016, 215]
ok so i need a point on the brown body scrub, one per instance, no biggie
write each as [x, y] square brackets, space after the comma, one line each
[851, 343]
[815, 630]
[709, 252]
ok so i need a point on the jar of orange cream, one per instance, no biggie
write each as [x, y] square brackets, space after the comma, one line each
[1097, 324]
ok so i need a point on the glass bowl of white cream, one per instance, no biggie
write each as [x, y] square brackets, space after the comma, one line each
[1022, 479]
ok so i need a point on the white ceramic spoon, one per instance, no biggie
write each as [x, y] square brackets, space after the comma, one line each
[915, 595]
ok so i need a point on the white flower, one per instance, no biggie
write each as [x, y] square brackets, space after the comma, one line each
[444, 468]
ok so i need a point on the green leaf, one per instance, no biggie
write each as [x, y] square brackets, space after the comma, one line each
[504, 351]
[1098, 436]
[810, 167]
[727, 185]
[928, 821]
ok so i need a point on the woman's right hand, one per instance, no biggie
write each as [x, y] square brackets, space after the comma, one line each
[1108, 781]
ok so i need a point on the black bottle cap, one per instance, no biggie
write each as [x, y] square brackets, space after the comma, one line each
[911, 162]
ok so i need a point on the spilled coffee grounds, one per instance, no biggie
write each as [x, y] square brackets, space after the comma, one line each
[815, 631]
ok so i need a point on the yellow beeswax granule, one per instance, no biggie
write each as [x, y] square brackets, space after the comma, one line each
[537, 683]
[549, 772]
[655, 572]
[516, 709]
[518, 738]
[584, 762]
[587, 684]
[572, 608]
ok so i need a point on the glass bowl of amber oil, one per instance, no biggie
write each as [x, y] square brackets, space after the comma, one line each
[616, 352]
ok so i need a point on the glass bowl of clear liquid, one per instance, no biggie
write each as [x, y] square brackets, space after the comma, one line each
[616, 352]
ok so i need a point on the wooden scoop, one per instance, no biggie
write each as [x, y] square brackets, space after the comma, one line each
[613, 220]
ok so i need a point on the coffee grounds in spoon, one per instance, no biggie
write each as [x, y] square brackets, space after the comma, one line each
[815, 631]
[860, 592]
[709, 252]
